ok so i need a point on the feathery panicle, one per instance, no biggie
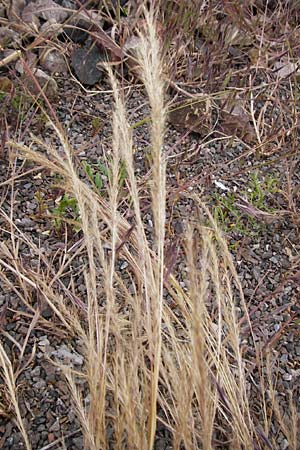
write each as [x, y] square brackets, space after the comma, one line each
[151, 71]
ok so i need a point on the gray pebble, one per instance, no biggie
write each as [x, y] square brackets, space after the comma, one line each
[41, 384]
[123, 265]
[284, 357]
[160, 444]
[267, 255]
[55, 426]
[36, 371]
[78, 442]
[284, 444]
[287, 377]
[25, 222]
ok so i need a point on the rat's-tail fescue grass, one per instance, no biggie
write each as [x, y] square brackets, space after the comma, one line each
[155, 353]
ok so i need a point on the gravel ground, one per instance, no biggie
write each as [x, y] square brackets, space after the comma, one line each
[266, 253]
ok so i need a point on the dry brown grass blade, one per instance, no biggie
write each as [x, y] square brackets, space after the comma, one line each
[151, 66]
[216, 374]
[9, 379]
[12, 57]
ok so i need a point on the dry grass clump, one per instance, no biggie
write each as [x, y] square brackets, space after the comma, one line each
[148, 361]
[9, 380]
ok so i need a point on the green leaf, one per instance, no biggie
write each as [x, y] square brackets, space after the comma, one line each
[88, 170]
[103, 169]
[98, 181]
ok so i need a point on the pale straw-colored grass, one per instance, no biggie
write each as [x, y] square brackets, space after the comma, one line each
[146, 360]
[9, 379]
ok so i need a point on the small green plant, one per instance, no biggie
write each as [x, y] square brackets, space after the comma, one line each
[229, 215]
[66, 206]
[224, 207]
[258, 190]
[96, 124]
[42, 207]
[95, 178]
[99, 172]
[17, 101]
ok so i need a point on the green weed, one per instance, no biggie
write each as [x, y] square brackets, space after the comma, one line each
[257, 193]
[100, 174]
[42, 206]
[66, 206]
[258, 190]
[96, 124]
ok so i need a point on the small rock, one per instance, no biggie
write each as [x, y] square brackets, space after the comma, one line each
[256, 273]
[2, 11]
[15, 9]
[87, 400]
[178, 227]
[36, 371]
[29, 15]
[284, 70]
[17, 440]
[274, 260]
[48, 9]
[51, 437]
[40, 420]
[10, 440]
[47, 84]
[53, 61]
[84, 62]
[76, 34]
[51, 28]
[287, 377]
[248, 292]
[290, 347]
[55, 426]
[160, 444]
[44, 342]
[267, 255]
[41, 384]
[25, 222]
[31, 205]
[9, 38]
[284, 444]
[123, 265]
[47, 312]
[71, 416]
[68, 357]
[78, 442]
[69, 4]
